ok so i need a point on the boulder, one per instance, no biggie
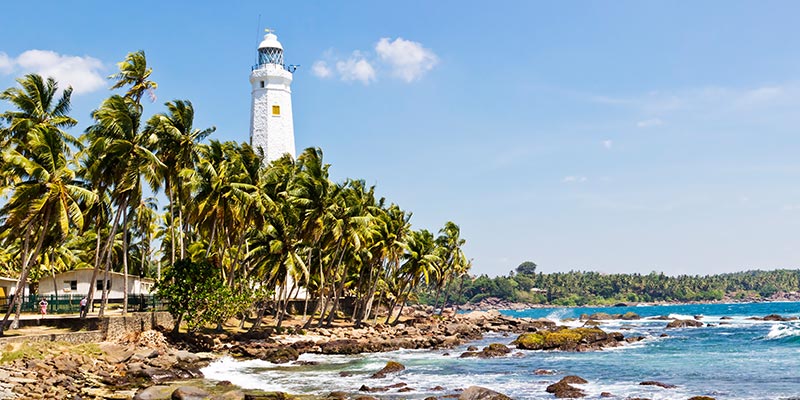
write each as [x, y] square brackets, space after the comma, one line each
[155, 392]
[542, 371]
[659, 384]
[630, 315]
[481, 393]
[601, 316]
[701, 398]
[391, 367]
[563, 390]
[189, 393]
[684, 323]
[569, 339]
[342, 346]
[280, 355]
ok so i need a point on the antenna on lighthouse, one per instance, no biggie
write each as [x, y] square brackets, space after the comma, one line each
[258, 29]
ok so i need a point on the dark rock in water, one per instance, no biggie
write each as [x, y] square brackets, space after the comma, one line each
[630, 315]
[436, 389]
[468, 354]
[563, 390]
[366, 398]
[634, 339]
[606, 394]
[405, 389]
[269, 396]
[345, 374]
[494, 350]
[726, 317]
[620, 305]
[224, 383]
[472, 348]
[661, 318]
[544, 372]
[592, 323]
[663, 335]
[776, 317]
[659, 384]
[337, 396]
[481, 393]
[391, 367]
[189, 393]
[365, 388]
[601, 316]
[155, 392]
[573, 379]
[280, 355]
[698, 317]
[306, 363]
[701, 398]
[684, 323]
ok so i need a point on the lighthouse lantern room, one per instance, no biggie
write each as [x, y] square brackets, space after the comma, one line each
[271, 124]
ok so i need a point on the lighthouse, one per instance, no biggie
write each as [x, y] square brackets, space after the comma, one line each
[271, 125]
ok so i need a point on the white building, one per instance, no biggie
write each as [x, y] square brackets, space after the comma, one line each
[75, 284]
[271, 124]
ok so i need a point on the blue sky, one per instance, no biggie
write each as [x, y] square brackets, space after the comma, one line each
[611, 136]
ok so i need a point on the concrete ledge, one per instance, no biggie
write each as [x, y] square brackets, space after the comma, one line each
[71, 337]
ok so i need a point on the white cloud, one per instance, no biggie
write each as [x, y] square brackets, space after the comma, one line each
[574, 179]
[82, 73]
[320, 69]
[408, 60]
[649, 123]
[608, 143]
[6, 63]
[356, 68]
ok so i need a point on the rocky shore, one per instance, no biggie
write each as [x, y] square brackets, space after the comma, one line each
[153, 365]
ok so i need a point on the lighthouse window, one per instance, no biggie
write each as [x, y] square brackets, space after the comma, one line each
[262, 84]
[276, 110]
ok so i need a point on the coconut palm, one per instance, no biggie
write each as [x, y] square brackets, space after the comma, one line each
[134, 73]
[38, 107]
[47, 200]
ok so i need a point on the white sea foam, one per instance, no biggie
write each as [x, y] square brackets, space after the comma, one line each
[680, 316]
[780, 331]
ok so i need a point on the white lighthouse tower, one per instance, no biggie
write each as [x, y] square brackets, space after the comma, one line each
[271, 125]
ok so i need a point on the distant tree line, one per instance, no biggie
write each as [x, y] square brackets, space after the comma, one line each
[581, 288]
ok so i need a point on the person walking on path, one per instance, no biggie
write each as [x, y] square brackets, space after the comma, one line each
[83, 305]
[43, 307]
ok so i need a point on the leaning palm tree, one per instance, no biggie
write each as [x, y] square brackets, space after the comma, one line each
[124, 154]
[47, 200]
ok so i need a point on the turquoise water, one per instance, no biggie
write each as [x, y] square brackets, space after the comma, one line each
[741, 360]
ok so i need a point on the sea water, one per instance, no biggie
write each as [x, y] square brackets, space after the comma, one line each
[738, 359]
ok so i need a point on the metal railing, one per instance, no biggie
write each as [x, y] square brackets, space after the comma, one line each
[71, 304]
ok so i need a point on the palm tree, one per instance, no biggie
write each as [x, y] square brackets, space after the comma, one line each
[178, 148]
[133, 72]
[124, 154]
[48, 200]
[37, 108]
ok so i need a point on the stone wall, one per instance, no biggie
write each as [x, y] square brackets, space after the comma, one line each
[119, 327]
[71, 337]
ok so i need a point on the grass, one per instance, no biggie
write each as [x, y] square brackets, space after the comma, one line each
[40, 350]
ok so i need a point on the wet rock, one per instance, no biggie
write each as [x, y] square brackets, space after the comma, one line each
[337, 396]
[630, 315]
[544, 372]
[701, 398]
[155, 392]
[776, 317]
[345, 374]
[684, 323]
[365, 388]
[659, 384]
[436, 389]
[606, 394]
[391, 367]
[568, 339]
[472, 348]
[481, 393]
[564, 390]
[189, 393]
[726, 317]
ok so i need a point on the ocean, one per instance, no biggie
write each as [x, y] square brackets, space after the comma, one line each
[741, 359]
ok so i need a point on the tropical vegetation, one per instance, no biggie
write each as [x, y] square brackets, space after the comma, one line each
[232, 235]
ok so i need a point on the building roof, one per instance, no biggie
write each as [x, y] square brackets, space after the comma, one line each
[109, 272]
[270, 41]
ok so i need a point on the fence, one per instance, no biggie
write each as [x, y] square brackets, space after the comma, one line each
[71, 304]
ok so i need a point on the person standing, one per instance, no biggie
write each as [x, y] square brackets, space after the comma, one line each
[83, 305]
[43, 307]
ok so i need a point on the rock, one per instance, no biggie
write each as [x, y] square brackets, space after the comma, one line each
[725, 317]
[365, 388]
[569, 339]
[391, 367]
[701, 398]
[481, 393]
[342, 346]
[698, 317]
[659, 384]
[776, 317]
[684, 323]
[337, 395]
[663, 335]
[544, 372]
[280, 355]
[563, 390]
[630, 315]
[155, 392]
[345, 374]
[601, 316]
[436, 389]
[472, 348]
[189, 393]
[606, 394]
[115, 353]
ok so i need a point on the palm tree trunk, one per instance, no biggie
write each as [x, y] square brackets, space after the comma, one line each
[96, 270]
[30, 261]
[23, 277]
[171, 223]
[125, 262]
[107, 256]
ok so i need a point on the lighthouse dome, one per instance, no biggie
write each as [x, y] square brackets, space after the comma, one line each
[270, 42]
